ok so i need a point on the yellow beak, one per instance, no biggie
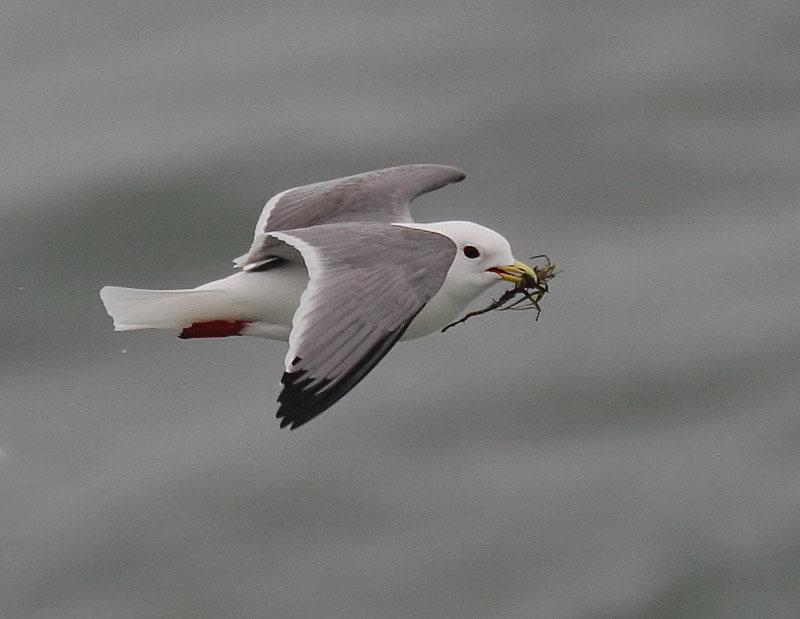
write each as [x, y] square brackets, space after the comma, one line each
[515, 272]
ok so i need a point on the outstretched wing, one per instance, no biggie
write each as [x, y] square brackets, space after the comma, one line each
[382, 195]
[367, 282]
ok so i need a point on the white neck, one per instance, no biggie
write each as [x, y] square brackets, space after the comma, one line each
[442, 309]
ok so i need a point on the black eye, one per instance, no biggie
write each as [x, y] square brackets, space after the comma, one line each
[471, 252]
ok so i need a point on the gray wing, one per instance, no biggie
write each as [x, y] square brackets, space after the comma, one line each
[367, 282]
[381, 195]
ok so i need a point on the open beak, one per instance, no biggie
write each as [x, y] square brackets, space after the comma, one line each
[515, 272]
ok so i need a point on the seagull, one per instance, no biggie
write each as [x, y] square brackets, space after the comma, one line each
[340, 270]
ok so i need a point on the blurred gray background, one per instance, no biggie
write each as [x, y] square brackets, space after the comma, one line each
[634, 454]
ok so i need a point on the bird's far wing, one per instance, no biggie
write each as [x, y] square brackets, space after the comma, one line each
[381, 195]
[367, 282]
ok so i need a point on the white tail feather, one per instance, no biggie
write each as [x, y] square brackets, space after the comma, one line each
[133, 308]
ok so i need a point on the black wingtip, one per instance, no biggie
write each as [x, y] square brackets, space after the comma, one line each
[303, 398]
[299, 399]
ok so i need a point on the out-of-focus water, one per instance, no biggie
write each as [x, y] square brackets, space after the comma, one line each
[634, 454]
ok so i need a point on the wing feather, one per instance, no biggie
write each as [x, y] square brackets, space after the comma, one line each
[360, 299]
[381, 196]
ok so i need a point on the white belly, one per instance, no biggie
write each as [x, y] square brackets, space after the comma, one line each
[267, 299]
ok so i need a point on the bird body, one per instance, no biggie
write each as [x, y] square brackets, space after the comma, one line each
[264, 302]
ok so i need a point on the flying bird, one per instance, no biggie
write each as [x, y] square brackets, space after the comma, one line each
[340, 270]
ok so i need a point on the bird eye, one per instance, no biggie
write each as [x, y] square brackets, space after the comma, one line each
[471, 252]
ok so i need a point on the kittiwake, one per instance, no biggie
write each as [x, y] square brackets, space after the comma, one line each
[341, 270]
